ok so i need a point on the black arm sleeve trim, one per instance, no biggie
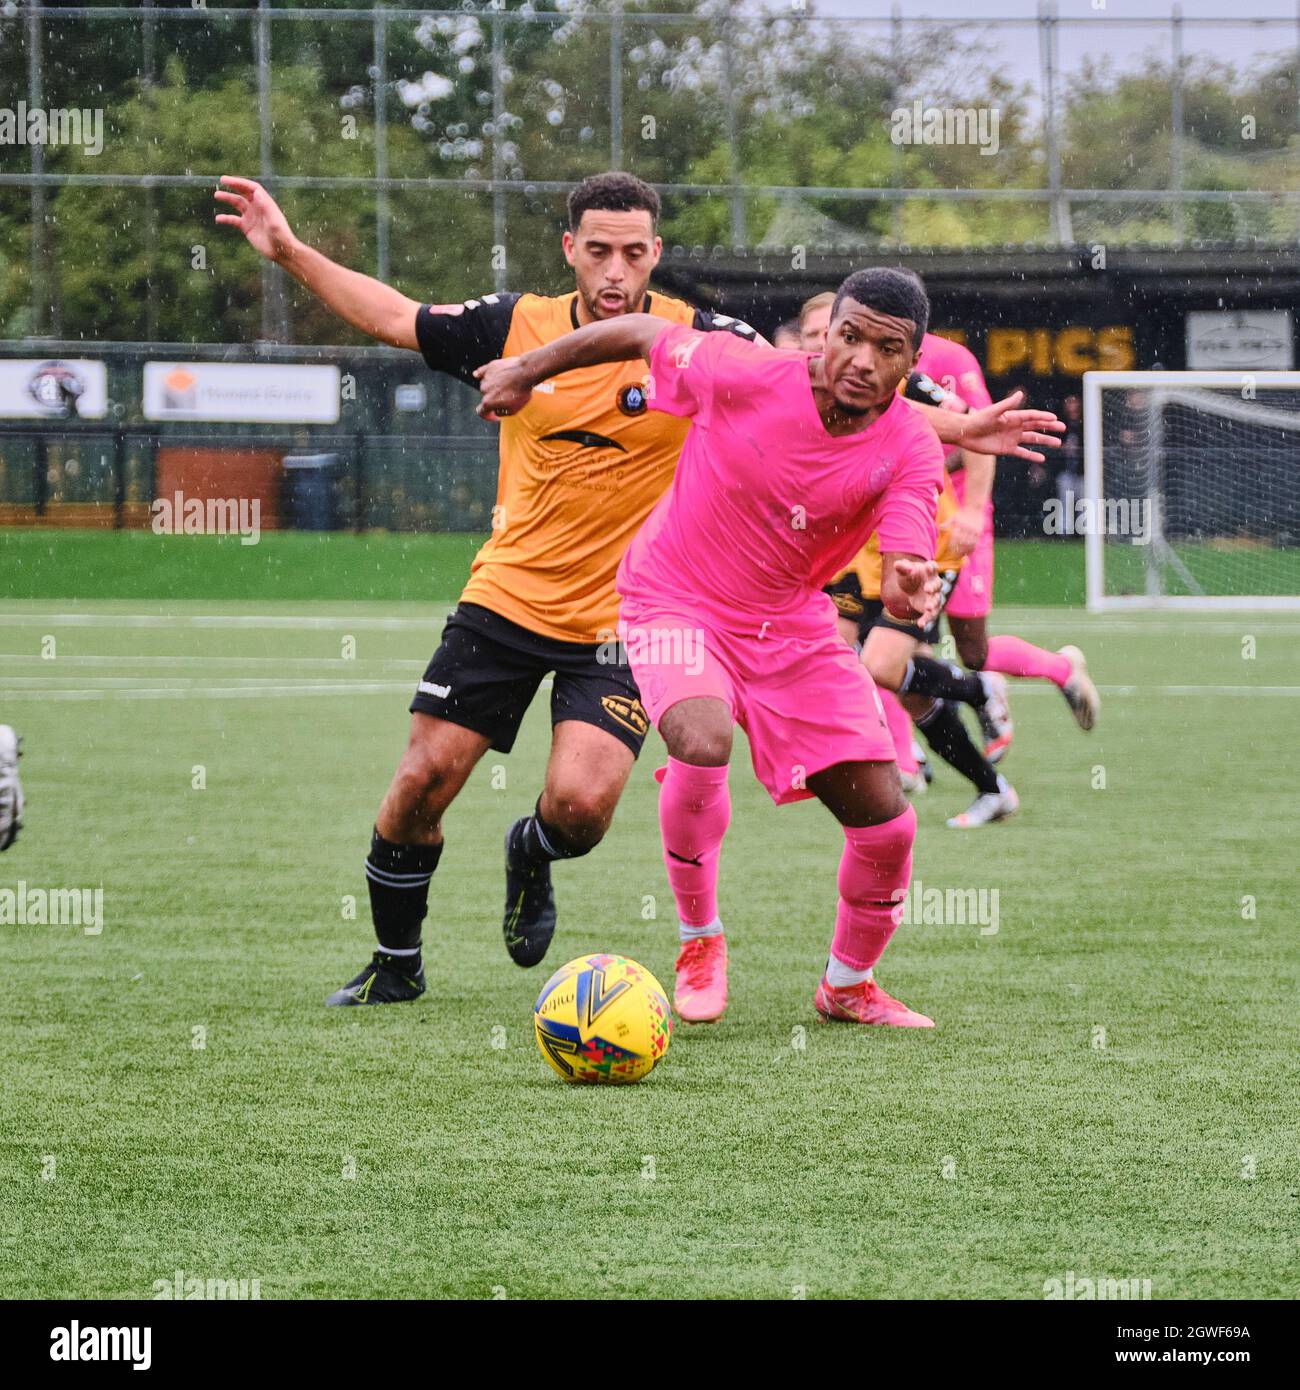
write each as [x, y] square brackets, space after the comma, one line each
[458, 343]
[928, 391]
[706, 321]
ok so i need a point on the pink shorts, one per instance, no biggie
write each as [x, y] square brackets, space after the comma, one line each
[972, 595]
[804, 702]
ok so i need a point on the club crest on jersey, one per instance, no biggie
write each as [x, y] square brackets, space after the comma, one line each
[632, 399]
[628, 713]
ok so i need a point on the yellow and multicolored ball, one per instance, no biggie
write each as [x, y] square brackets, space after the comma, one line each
[602, 1019]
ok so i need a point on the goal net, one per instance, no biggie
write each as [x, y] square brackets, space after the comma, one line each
[1191, 494]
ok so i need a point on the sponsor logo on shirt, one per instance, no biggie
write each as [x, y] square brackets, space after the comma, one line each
[428, 688]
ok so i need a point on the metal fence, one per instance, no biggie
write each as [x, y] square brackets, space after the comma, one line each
[428, 468]
[1070, 214]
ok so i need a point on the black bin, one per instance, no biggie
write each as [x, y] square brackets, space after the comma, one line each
[311, 491]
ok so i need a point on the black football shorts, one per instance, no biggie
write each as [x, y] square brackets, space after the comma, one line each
[487, 669]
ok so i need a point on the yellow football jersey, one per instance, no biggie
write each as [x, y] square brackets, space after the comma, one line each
[581, 466]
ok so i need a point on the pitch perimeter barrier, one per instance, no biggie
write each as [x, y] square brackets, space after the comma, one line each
[78, 446]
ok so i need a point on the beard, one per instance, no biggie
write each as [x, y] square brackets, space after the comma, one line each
[854, 410]
[593, 306]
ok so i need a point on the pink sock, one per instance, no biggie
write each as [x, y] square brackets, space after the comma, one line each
[875, 872]
[1013, 656]
[900, 729]
[694, 811]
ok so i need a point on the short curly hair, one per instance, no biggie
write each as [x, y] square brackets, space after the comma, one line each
[612, 192]
[897, 292]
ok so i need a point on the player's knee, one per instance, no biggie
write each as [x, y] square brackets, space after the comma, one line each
[698, 732]
[702, 747]
[885, 670]
[421, 781]
[582, 816]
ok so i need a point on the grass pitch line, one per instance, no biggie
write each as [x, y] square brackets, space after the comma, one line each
[392, 663]
[1053, 621]
[303, 622]
[124, 688]
[199, 692]
[173, 682]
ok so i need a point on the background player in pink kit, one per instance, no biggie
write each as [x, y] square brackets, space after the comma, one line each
[955, 368]
[790, 464]
[957, 371]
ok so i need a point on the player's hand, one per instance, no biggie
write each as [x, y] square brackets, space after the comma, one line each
[257, 215]
[1002, 429]
[964, 529]
[505, 386]
[918, 581]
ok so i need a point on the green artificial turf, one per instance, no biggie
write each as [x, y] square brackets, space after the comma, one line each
[333, 565]
[1110, 1091]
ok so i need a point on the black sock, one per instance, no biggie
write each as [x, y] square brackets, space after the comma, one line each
[398, 877]
[947, 735]
[942, 681]
[539, 842]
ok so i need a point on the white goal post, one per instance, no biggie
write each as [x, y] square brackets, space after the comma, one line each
[1191, 490]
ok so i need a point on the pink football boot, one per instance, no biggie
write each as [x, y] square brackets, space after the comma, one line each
[865, 1003]
[701, 993]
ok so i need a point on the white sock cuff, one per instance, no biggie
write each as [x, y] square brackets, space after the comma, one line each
[840, 975]
[686, 932]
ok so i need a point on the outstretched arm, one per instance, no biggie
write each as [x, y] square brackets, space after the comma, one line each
[998, 429]
[507, 384]
[378, 310]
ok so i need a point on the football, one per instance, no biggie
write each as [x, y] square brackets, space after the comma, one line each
[602, 1019]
